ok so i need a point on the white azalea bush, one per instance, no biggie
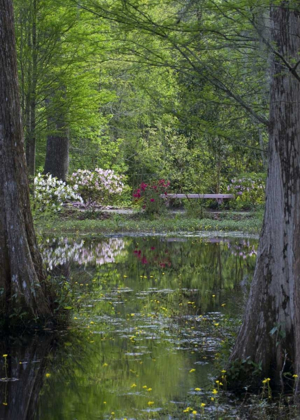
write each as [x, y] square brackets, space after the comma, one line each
[100, 186]
[50, 193]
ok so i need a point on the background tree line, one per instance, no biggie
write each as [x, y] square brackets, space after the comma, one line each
[150, 90]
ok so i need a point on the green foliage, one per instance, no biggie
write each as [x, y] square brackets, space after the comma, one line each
[249, 191]
[72, 225]
[194, 208]
[153, 89]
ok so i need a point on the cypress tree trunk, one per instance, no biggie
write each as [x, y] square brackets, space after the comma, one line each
[21, 270]
[270, 334]
[31, 128]
[57, 152]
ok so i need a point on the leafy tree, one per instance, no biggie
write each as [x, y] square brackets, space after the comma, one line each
[59, 75]
[204, 91]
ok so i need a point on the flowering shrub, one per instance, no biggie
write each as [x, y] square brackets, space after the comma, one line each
[98, 186]
[148, 196]
[50, 193]
[248, 191]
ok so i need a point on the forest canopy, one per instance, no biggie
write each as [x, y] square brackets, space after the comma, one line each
[175, 90]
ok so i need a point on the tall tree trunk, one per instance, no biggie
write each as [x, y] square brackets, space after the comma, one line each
[21, 269]
[57, 152]
[270, 334]
[31, 129]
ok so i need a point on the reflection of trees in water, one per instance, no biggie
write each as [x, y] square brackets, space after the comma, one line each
[22, 378]
[60, 251]
[27, 375]
[197, 267]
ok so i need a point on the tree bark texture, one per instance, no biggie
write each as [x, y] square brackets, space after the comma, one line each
[21, 270]
[270, 334]
[32, 79]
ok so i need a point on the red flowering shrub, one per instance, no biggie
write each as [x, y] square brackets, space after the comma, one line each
[148, 196]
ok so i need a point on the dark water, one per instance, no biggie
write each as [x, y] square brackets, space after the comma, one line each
[149, 318]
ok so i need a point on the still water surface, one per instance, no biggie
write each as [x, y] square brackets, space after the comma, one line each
[149, 317]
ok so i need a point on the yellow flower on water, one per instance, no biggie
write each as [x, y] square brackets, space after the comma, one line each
[215, 391]
[197, 389]
[187, 410]
[192, 370]
[150, 402]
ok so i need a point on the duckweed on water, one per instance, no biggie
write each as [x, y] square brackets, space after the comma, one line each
[150, 317]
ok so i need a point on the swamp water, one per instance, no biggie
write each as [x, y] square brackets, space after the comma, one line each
[149, 317]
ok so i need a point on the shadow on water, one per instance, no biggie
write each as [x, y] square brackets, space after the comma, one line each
[149, 316]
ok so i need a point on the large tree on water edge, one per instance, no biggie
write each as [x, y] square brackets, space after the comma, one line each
[22, 281]
[270, 334]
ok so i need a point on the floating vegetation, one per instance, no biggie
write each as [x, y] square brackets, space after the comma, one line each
[151, 318]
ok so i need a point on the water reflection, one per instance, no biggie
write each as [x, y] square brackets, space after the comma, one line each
[57, 252]
[23, 372]
[152, 316]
